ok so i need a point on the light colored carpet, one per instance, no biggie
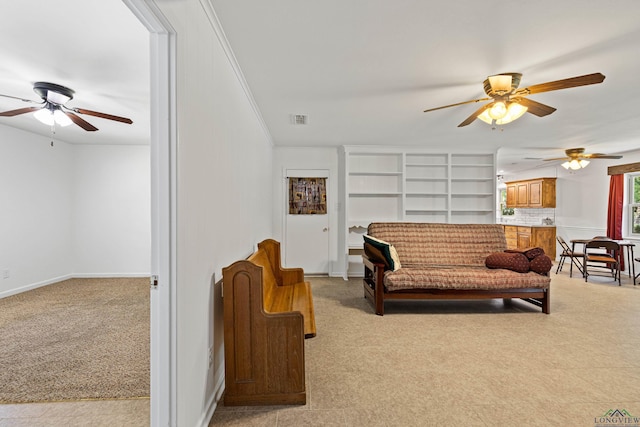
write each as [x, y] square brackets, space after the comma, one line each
[76, 339]
[465, 363]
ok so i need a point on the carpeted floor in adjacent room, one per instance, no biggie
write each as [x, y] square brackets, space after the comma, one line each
[76, 339]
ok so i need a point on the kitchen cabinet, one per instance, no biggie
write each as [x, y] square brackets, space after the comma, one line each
[522, 237]
[533, 193]
[511, 233]
[511, 196]
[522, 195]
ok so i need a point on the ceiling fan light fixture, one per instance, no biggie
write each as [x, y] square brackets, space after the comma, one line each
[498, 110]
[484, 116]
[575, 164]
[500, 83]
[514, 112]
[57, 98]
[45, 116]
[52, 116]
[61, 118]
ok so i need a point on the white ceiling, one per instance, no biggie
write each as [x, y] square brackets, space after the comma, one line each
[97, 48]
[363, 71]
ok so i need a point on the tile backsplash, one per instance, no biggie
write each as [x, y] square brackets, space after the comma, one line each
[528, 216]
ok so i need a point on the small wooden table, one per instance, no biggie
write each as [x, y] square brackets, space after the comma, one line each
[624, 244]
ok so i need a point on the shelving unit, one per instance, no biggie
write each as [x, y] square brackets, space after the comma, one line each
[472, 188]
[374, 193]
[416, 186]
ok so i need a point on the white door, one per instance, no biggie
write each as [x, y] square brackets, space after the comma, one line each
[306, 242]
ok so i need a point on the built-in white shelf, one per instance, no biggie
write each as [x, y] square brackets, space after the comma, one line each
[392, 184]
[375, 173]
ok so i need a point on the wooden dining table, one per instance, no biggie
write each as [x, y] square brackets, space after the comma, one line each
[624, 245]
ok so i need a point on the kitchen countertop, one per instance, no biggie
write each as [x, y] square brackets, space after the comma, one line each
[515, 224]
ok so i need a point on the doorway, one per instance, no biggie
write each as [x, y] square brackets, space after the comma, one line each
[163, 211]
[306, 223]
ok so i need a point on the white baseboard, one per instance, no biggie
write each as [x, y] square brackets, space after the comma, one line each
[51, 281]
[107, 275]
[34, 286]
[212, 403]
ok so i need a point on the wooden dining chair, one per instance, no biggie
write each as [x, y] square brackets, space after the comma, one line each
[575, 257]
[602, 255]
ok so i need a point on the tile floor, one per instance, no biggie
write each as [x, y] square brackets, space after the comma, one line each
[94, 413]
[437, 363]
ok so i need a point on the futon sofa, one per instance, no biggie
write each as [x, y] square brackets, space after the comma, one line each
[449, 261]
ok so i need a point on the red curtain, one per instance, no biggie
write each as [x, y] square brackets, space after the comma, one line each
[614, 212]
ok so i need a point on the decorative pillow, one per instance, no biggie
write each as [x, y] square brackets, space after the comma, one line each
[508, 260]
[541, 264]
[388, 251]
[375, 255]
[530, 253]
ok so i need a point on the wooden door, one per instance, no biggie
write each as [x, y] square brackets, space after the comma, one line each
[524, 237]
[545, 237]
[522, 194]
[511, 234]
[535, 194]
[511, 196]
[548, 198]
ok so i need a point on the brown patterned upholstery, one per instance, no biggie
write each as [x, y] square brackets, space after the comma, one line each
[530, 253]
[541, 264]
[513, 261]
[441, 244]
[449, 256]
[461, 278]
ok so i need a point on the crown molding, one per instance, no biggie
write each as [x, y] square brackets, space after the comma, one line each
[224, 42]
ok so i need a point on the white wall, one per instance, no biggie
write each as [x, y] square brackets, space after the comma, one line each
[224, 204]
[111, 211]
[309, 158]
[71, 210]
[35, 210]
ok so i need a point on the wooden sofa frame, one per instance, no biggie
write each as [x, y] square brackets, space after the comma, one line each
[268, 311]
[375, 292]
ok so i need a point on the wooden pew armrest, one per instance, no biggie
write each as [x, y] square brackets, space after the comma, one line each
[291, 276]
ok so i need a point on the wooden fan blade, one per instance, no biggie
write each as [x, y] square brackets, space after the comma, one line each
[475, 115]
[21, 99]
[534, 107]
[557, 158]
[599, 156]
[459, 103]
[19, 111]
[587, 79]
[81, 122]
[102, 115]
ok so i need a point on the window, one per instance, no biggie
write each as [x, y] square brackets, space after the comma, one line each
[503, 203]
[634, 203]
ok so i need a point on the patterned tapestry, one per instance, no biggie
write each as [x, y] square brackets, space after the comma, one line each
[307, 196]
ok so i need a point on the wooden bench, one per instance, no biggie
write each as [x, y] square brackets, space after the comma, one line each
[268, 311]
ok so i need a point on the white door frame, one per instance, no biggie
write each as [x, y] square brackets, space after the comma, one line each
[163, 210]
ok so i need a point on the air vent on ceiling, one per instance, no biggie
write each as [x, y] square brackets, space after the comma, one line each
[299, 119]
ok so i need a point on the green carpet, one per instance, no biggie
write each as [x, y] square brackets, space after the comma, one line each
[76, 339]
